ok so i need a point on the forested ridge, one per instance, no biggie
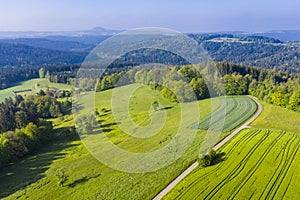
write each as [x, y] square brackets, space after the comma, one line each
[20, 55]
[259, 51]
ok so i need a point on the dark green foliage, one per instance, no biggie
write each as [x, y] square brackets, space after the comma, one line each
[208, 158]
[286, 94]
[16, 144]
[212, 153]
[18, 113]
[262, 52]
[275, 87]
[235, 84]
[155, 105]
[6, 152]
[205, 161]
[33, 56]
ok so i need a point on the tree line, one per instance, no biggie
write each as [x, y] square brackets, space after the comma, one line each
[276, 87]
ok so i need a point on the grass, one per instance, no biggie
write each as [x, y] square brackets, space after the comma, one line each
[30, 85]
[237, 110]
[277, 118]
[87, 177]
[36, 176]
[258, 164]
[33, 169]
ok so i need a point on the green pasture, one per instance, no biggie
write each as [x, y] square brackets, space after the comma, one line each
[35, 177]
[33, 85]
[278, 118]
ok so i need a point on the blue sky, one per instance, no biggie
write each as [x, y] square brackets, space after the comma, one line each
[183, 15]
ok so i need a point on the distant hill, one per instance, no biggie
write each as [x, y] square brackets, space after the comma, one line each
[19, 55]
[42, 34]
[91, 40]
[61, 45]
[265, 50]
[259, 51]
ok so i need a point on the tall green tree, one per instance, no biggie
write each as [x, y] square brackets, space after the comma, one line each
[42, 73]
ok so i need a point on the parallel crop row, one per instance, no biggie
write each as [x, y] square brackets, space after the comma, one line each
[230, 115]
[258, 164]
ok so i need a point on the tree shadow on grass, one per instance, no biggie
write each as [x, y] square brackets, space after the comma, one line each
[32, 168]
[105, 128]
[100, 121]
[167, 108]
[108, 125]
[99, 131]
[220, 157]
[81, 180]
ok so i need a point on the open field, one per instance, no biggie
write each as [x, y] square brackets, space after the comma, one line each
[237, 109]
[278, 118]
[87, 177]
[28, 87]
[258, 164]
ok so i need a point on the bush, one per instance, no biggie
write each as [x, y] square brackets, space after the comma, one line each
[62, 177]
[208, 158]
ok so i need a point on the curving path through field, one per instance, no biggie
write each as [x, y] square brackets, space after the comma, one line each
[216, 147]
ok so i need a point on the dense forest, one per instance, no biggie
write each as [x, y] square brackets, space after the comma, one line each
[19, 55]
[259, 51]
[45, 43]
[262, 52]
[23, 126]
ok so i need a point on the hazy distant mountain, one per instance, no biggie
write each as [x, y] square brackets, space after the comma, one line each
[98, 31]
[266, 50]
[91, 40]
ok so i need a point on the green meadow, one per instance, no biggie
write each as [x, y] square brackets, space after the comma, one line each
[36, 176]
[87, 177]
[33, 85]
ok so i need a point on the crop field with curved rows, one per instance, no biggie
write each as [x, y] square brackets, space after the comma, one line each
[258, 164]
[233, 113]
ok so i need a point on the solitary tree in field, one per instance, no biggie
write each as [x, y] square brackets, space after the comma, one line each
[155, 105]
[62, 177]
[207, 159]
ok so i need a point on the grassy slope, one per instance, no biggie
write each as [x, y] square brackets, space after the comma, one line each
[30, 84]
[87, 177]
[275, 117]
